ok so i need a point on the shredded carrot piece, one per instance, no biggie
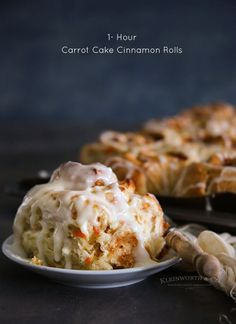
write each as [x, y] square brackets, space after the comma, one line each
[78, 233]
[96, 230]
[88, 260]
[166, 225]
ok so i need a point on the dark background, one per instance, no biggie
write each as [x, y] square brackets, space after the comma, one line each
[39, 83]
[51, 104]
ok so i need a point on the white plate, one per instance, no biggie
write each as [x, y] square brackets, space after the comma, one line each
[89, 278]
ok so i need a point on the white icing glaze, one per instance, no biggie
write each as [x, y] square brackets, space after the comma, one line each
[120, 163]
[181, 189]
[228, 174]
[76, 176]
[217, 127]
[73, 179]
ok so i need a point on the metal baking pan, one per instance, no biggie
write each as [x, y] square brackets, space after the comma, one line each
[192, 202]
[215, 220]
[223, 202]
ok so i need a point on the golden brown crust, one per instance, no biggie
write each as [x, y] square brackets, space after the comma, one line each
[213, 123]
[121, 250]
[184, 156]
[192, 181]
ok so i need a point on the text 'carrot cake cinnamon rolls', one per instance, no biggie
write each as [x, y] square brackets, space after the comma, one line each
[85, 219]
[174, 156]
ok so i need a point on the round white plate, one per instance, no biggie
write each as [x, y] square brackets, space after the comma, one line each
[89, 278]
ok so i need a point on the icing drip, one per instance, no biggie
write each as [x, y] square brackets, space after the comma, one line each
[228, 174]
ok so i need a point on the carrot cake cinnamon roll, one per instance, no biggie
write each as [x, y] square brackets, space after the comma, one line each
[85, 219]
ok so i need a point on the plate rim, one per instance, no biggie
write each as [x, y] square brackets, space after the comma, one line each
[5, 247]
